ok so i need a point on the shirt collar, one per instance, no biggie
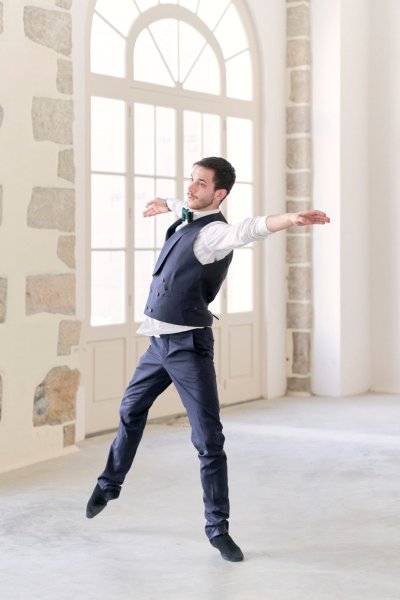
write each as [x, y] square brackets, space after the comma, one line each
[197, 214]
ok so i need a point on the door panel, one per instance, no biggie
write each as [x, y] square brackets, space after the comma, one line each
[106, 364]
[240, 351]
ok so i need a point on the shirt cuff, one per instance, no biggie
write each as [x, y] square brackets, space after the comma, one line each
[261, 227]
[175, 205]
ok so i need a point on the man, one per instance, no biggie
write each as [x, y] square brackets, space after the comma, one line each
[190, 270]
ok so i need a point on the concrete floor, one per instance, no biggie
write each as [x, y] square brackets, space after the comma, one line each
[315, 495]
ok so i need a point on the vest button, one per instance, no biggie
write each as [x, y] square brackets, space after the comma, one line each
[151, 310]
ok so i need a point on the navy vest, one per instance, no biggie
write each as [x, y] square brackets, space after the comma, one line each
[182, 287]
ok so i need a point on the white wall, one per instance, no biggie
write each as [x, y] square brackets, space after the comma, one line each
[269, 20]
[342, 251]
[385, 194]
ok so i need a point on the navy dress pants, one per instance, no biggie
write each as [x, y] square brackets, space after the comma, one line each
[185, 359]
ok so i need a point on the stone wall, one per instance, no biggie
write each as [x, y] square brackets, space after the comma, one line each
[39, 330]
[298, 190]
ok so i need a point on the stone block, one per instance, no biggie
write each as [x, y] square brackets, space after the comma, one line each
[52, 120]
[299, 283]
[68, 335]
[299, 315]
[298, 185]
[298, 53]
[52, 208]
[64, 76]
[297, 206]
[3, 299]
[1, 17]
[55, 397]
[66, 165]
[298, 249]
[64, 4]
[51, 28]
[300, 86]
[298, 153]
[1, 204]
[301, 385]
[1, 396]
[1, 115]
[51, 294]
[301, 352]
[298, 21]
[66, 250]
[298, 119]
[69, 434]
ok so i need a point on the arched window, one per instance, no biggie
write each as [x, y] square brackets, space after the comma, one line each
[170, 83]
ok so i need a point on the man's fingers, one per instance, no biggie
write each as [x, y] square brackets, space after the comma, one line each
[313, 217]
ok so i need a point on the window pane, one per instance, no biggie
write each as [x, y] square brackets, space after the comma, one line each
[240, 282]
[189, 4]
[231, 34]
[108, 288]
[211, 11]
[144, 150]
[191, 140]
[165, 33]
[144, 226]
[165, 143]
[191, 42]
[108, 211]
[165, 188]
[144, 265]
[205, 76]
[240, 202]
[239, 80]
[211, 135]
[240, 147]
[147, 62]
[107, 49]
[145, 4]
[108, 135]
[120, 13]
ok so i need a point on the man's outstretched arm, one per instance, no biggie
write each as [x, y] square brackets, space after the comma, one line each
[299, 219]
[273, 222]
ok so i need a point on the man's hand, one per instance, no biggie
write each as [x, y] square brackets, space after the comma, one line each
[299, 219]
[309, 217]
[155, 207]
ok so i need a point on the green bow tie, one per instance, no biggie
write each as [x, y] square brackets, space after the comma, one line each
[187, 215]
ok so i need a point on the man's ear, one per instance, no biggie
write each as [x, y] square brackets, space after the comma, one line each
[221, 195]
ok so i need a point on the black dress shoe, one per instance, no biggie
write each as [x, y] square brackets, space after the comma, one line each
[98, 500]
[229, 550]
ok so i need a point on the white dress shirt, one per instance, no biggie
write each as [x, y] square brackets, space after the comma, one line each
[213, 242]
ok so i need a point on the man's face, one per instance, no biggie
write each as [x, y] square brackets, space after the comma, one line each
[201, 194]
